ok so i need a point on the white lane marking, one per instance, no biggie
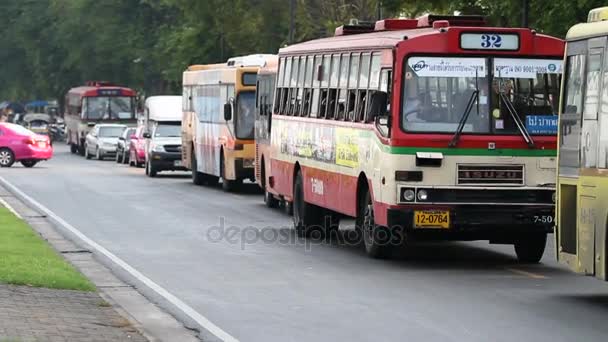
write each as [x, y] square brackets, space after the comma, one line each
[185, 308]
[10, 208]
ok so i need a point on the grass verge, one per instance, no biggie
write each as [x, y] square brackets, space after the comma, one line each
[26, 259]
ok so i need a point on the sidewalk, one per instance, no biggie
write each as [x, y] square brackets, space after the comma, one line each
[48, 315]
[29, 313]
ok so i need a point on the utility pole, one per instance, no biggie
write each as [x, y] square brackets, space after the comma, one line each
[525, 13]
[292, 20]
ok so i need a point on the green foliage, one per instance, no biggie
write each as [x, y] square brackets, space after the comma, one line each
[48, 46]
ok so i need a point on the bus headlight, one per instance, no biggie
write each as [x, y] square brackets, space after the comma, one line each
[409, 195]
[422, 195]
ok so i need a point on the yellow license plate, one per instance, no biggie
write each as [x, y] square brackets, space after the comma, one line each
[432, 219]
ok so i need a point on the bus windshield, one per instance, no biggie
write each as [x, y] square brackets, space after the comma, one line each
[109, 108]
[437, 91]
[245, 115]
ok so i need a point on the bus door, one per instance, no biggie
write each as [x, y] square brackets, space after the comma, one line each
[588, 220]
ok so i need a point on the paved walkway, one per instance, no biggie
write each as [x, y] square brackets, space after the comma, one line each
[46, 315]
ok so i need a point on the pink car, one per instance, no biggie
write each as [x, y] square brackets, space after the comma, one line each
[137, 148]
[18, 143]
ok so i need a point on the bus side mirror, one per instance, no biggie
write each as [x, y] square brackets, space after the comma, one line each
[378, 106]
[227, 111]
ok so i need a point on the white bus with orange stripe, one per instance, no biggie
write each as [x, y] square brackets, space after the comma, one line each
[433, 128]
[218, 122]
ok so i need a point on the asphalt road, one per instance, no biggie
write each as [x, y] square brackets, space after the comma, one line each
[270, 289]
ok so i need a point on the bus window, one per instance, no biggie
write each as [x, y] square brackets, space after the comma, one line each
[317, 72]
[592, 91]
[363, 85]
[589, 151]
[603, 129]
[343, 84]
[307, 86]
[285, 87]
[332, 96]
[374, 78]
[300, 87]
[569, 160]
[353, 85]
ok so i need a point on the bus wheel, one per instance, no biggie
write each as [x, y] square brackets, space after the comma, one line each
[227, 184]
[287, 207]
[197, 177]
[269, 199]
[530, 248]
[376, 238]
[306, 217]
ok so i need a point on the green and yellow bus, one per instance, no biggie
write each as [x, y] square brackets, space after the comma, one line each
[582, 189]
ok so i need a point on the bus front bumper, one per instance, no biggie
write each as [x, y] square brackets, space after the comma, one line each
[474, 222]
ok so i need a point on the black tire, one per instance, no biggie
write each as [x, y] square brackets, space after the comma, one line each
[307, 220]
[29, 163]
[7, 157]
[269, 199]
[376, 239]
[81, 149]
[119, 157]
[73, 148]
[287, 207]
[197, 177]
[530, 249]
[227, 184]
[151, 170]
[125, 157]
[86, 153]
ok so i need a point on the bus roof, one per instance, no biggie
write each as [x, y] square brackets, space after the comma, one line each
[387, 34]
[595, 26]
[85, 91]
[270, 68]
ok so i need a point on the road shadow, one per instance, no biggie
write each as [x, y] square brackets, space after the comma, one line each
[170, 175]
[246, 189]
[596, 300]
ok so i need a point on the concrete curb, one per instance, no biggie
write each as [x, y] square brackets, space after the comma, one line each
[149, 319]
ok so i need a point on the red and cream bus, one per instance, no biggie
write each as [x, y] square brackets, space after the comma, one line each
[431, 128]
[263, 123]
[93, 103]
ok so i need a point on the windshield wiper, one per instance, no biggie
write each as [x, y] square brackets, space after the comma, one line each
[465, 116]
[474, 98]
[520, 125]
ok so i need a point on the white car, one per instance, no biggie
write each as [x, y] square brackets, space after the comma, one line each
[102, 140]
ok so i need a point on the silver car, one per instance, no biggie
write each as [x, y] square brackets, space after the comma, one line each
[102, 140]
